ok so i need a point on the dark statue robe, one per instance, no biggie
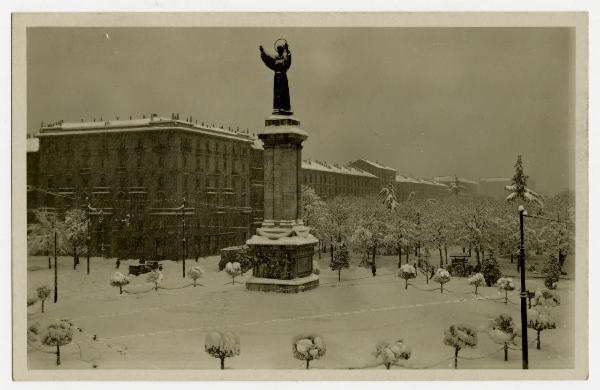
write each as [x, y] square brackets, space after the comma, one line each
[281, 92]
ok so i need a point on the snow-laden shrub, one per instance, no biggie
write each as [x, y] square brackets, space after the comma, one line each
[505, 285]
[155, 277]
[195, 273]
[341, 259]
[551, 272]
[390, 354]
[476, 280]
[442, 277]
[491, 271]
[43, 292]
[545, 298]
[540, 319]
[58, 334]
[236, 254]
[308, 347]
[460, 336]
[503, 331]
[233, 270]
[407, 272]
[315, 268]
[119, 280]
[222, 345]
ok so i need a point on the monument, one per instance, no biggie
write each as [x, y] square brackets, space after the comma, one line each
[282, 247]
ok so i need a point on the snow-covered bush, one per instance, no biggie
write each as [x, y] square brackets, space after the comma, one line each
[460, 336]
[442, 277]
[195, 273]
[119, 280]
[491, 271]
[540, 319]
[58, 334]
[407, 272]
[222, 345]
[155, 277]
[476, 280]
[43, 292]
[233, 270]
[505, 285]
[545, 298]
[315, 268]
[503, 331]
[236, 254]
[551, 272]
[390, 354]
[341, 259]
[308, 347]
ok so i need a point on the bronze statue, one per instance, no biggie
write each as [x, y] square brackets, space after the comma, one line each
[279, 64]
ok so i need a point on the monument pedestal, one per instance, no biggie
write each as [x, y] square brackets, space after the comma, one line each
[283, 247]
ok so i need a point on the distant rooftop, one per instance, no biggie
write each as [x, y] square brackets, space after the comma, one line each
[140, 124]
[378, 165]
[494, 179]
[334, 168]
[409, 179]
[33, 144]
[446, 179]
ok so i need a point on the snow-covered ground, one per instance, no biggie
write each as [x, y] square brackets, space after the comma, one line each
[166, 329]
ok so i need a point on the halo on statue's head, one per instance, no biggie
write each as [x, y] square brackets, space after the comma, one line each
[276, 45]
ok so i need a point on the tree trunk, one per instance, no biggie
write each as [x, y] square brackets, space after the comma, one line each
[407, 253]
[339, 275]
[373, 265]
[506, 297]
[477, 256]
[469, 250]
[441, 288]
[194, 282]
[399, 255]
[74, 257]
[387, 366]
[446, 254]
[43, 300]
[482, 253]
[456, 357]
[58, 355]
[416, 250]
[441, 257]
[307, 363]
[120, 290]
[406, 284]
[222, 363]
[331, 250]
[49, 263]
[538, 339]
[476, 289]
[505, 352]
[511, 258]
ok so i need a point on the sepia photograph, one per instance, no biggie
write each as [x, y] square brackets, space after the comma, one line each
[309, 196]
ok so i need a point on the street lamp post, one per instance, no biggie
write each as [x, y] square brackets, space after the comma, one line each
[88, 239]
[55, 270]
[183, 236]
[523, 294]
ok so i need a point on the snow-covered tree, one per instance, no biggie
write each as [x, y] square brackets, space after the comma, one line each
[155, 277]
[477, 280]
[336, 223]
[551, 272]
[195, 273]
[455, 187]
[390, 201]
[312, 206]
[58, 334]
[397, 235]
[75, 231]
[505, 285]
[31, 300]
[518, 189]
[459, 336]
[40, 235]
[373, 219]
[222, 345]
[442, 277]
[308, 347]
[234, 270]
[43, 292]
[407, 272]
[119, 280]
[503, 331]
[390, 354]
[540, 319]
[361, 242]
[341, 260]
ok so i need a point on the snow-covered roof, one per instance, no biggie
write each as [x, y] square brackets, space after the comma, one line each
[33, 144]
[409, 179]
[446, 179]
[334, 168]
[378, 165]
[494, 179]
[256, 143]
[152, 123]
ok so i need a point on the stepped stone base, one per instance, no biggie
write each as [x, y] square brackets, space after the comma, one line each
[285, 286]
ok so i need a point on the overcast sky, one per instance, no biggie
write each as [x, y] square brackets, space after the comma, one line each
[426, 101]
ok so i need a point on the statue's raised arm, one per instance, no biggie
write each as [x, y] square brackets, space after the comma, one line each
[279, 64]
